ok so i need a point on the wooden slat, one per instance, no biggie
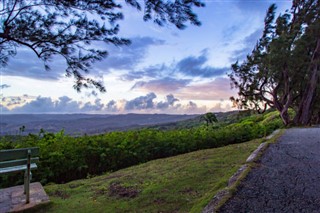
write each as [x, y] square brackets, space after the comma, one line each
[17, 168]
[12, 163]
[14, 154]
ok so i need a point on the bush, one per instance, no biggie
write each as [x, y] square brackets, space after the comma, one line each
[64, 158]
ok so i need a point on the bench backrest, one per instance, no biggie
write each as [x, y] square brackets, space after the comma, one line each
[17, 157]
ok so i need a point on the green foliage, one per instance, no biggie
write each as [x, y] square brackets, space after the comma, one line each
[184, 183]
[64, 158]
[223, 119]
[209, 118]
[282, 72]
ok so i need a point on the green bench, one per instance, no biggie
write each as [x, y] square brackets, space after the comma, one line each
[16, 160]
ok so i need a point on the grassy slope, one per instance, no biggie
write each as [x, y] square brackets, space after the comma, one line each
[184, 183]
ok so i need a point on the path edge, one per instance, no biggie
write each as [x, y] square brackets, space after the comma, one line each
[225, 194]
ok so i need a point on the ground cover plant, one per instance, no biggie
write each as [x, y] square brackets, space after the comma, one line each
[183, 183]
[64, 158]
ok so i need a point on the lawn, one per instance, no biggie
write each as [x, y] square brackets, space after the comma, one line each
[183, 183]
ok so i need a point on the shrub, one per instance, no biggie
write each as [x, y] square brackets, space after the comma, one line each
[64, 158]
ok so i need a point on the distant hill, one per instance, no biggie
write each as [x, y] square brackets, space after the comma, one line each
[224, 118]
[79, 124]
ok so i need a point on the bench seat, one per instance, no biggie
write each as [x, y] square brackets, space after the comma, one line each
[17, 160]
[17, 168]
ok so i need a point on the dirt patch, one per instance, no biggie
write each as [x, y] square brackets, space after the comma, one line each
[116, 189]
[159, 201]
[59, 193]
[99, 192]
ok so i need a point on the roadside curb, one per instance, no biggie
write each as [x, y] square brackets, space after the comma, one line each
[255, 153]
[226, 193]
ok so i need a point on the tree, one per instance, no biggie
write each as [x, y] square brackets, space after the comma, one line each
[22, 129]
[282, 71]
[72, 29]
[209, 118]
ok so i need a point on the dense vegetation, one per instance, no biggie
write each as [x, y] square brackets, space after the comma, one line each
[183, 183]
[283, 70]
[65, 158]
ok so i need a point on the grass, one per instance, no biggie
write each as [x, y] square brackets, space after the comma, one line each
[184, 183]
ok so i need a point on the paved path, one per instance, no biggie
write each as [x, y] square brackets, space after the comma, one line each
[13, 200]
[287, 178]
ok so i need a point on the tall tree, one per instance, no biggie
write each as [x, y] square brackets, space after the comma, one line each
[71, 29]
[283, 69]
[209, 118]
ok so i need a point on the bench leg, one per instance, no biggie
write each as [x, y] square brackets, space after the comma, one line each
[27, 179]
[25, 182]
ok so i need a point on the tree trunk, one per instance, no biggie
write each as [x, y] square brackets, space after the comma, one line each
[285, 117]
[283, 109]
[282, 104]
[305, 109]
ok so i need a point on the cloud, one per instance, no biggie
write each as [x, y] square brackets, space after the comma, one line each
[220, 107]
[170, 100]
[253, 5]
[153, 71]
[64, 104]
[191, 66]
[193, 108]
[27, 64]
[96, 107]
[248, 43]
[142, 102]
[165, 85]
[112, 106]
[192, 105]
[196, 67]
[171, 104]
[128, 57]
[215, 90]
[47, 105]
[94, 93]
[13, 101]
[3, 109]
[229, 32]
[184, 89]
[4, 86]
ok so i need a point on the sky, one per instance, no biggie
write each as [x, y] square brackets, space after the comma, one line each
[164, 70]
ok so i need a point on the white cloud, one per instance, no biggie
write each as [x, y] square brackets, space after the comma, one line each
[213, 90]
[64, 104]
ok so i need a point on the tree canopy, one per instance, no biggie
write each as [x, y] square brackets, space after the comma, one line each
[283, 72]
[209, 118]
[71, 29]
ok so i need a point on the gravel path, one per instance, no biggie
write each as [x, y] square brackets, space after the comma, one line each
[287, 178]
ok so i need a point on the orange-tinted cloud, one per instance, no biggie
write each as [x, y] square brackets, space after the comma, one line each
[215, 90]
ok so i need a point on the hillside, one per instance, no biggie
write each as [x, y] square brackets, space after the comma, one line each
[184, 183]
[79, 124]
[223, 118]
[65, 158]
